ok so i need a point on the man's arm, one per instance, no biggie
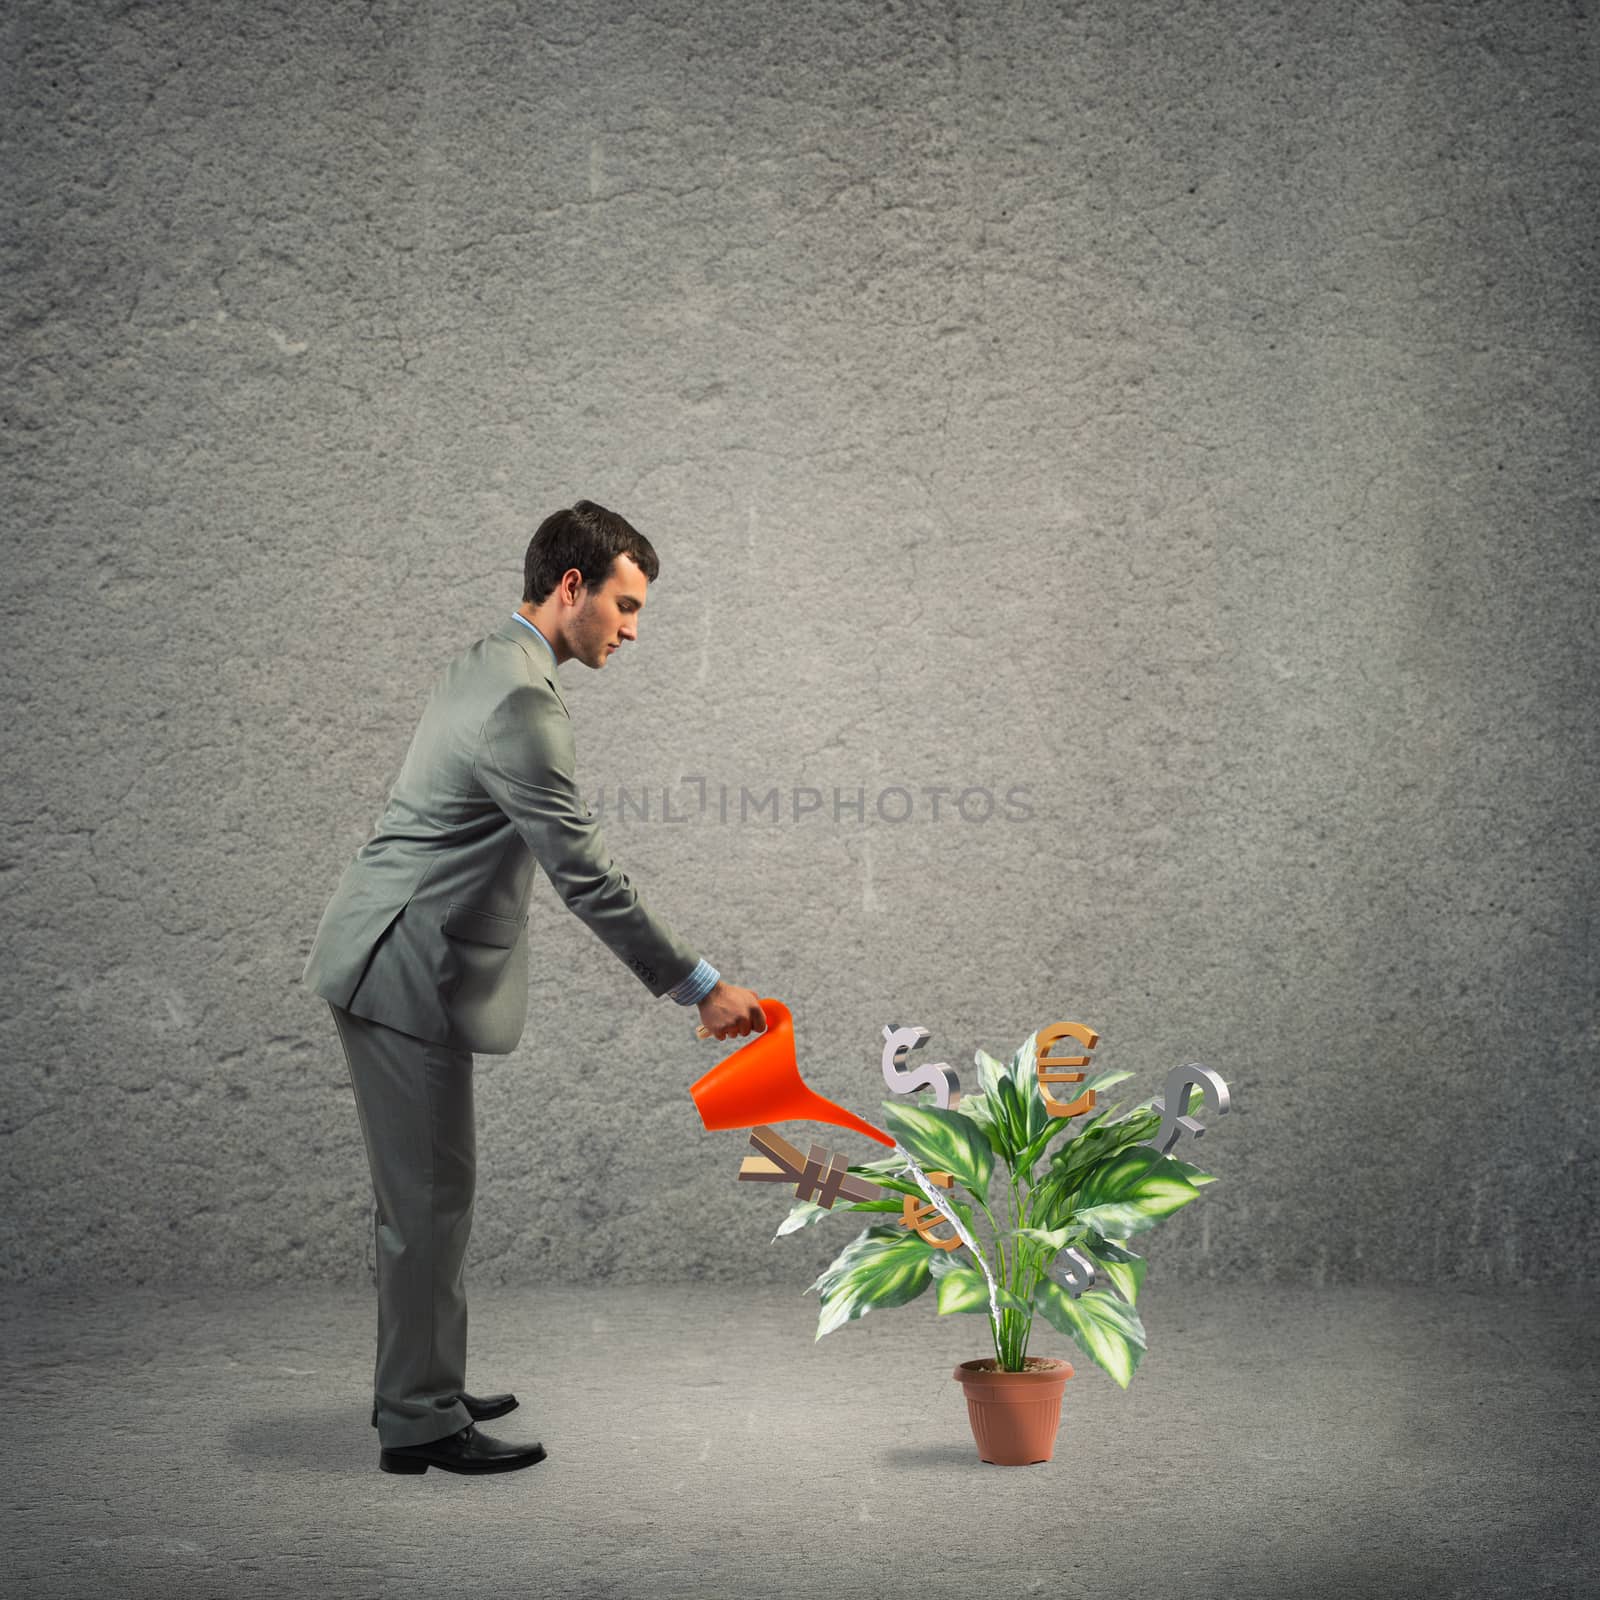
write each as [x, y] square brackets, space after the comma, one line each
[527, 764]
[526, 761]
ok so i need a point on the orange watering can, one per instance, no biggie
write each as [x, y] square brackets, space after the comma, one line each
[760, 1083]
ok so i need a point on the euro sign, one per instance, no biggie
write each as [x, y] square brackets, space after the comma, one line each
[938, 1076]
[1174, 1124]
[923, 1216]
[1052, 1069]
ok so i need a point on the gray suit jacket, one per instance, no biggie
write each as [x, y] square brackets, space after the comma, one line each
[427, 931]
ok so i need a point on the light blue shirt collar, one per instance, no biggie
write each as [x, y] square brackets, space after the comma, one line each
[531, 629]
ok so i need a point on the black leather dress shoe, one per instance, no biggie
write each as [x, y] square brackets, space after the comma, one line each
[466, 1451]
[480, 1409]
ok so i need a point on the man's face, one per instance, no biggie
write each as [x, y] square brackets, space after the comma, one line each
[610, 614]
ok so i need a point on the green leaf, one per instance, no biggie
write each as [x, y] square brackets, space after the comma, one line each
[1105, 1328]
[886, 1174]
[1023, 1059]
[1100, 1080]
[1034, 1119]
[879, 1168]
[884, 1266]
[1030, 1153]
[1122, 1268]
[982, 1111]
[905, 1185]
[802, 1215]
[1071, 1126]
[1093, 1146]
[1011, 1125]
[1000, 1111]
[1054, 1238]
[944, 1141]
[1025, 1076]
[1098, 1144]
[966, 1289]
[1193, 1174]
[1195, 1098]
[807, 1212]
[1131, 1192]
[990, 1071]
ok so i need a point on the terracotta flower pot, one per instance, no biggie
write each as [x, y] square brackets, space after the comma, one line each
[1014, 1415]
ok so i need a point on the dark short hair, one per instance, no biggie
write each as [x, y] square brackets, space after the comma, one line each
[589, 538]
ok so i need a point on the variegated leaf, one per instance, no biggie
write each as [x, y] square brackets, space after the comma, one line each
[990, 1071]
[884, 1266]
[966, 1289]
[1122, 1268]
[1053, 1238]
[982, 1111]
[1105, 1328]
[805, 1213]
[1131, 1193]
[944, 1141]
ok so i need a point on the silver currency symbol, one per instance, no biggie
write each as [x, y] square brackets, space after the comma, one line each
[1173, 1123]
[1079, 1273]
[940, 1078]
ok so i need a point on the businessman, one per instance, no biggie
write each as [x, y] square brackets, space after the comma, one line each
[422, 956]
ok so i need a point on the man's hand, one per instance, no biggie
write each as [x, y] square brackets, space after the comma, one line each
[731, 1012]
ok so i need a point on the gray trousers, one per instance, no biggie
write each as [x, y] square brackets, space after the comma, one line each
[414, 1100]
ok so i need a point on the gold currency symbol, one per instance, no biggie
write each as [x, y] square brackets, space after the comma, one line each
[1049, 1071]
[922, 1216]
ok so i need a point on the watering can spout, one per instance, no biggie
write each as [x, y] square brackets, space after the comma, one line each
[760, 1083]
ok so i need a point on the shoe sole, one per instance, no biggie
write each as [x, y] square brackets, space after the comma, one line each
[406, 1466]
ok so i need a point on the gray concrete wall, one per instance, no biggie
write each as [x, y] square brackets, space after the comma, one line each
[1184, 413]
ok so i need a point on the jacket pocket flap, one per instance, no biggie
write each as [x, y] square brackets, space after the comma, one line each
[482, 927]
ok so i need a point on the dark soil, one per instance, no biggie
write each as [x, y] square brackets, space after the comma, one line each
[1029, 1364]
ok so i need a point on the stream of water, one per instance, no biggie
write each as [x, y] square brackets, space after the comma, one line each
[920, 1178]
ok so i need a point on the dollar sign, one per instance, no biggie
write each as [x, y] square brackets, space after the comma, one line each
[1079, 1273]
[923, 1216]
[938, 1076]
[1174, 1124]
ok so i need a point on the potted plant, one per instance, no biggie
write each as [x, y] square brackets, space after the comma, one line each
[1083, 1185]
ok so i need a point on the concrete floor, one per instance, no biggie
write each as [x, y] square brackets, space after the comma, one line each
[1276, 1442]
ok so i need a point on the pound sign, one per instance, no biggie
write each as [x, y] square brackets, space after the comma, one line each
[922, 1216]
[1049, 1071]
[940, 1078]
[1174, 1124]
